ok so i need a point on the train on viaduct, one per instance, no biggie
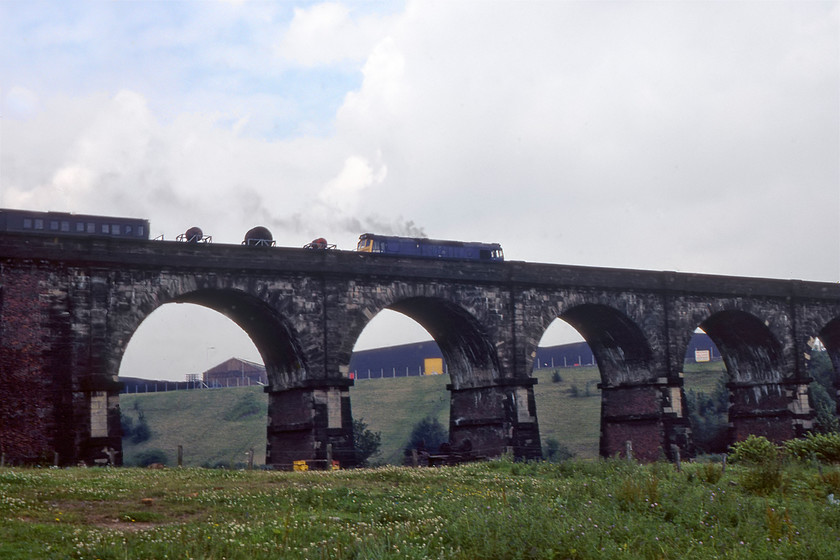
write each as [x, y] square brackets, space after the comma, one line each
[69, 305]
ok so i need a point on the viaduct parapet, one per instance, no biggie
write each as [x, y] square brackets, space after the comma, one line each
[69, 306]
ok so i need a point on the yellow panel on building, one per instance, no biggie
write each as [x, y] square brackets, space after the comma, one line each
[433, 366]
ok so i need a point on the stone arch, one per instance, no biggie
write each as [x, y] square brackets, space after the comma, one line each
[463, 332]
[272, 334]
[308, 414]
[635, 397]
[489, 413]
[470, 357]
[621, 349]
[749, 349]
[766, 397]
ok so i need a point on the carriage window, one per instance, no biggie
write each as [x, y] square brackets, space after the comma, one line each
[27, 223]
[128, 230]
[54, 225]
[91, 227]
[80, 227]
[140, 230]
[65, 226]
[106, 228]
[39, 223]
[115, 229]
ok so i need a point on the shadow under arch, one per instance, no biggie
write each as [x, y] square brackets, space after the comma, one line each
[470, 357]
[488, 415]
[764, 399]
[621, 350]
[830, 337]
[632, 399]
[271, 333]
[749, 350]
[308, 417]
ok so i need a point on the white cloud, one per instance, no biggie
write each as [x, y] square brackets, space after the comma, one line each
[330, 33]
[344, 191]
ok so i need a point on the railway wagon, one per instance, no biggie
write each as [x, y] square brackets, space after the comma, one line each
[64, 223]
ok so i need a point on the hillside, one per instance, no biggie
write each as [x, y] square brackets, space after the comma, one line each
[219, 426]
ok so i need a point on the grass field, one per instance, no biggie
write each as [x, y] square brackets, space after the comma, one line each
[210, 427]
[583, 510]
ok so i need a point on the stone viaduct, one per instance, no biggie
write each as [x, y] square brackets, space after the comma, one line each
[69, 306]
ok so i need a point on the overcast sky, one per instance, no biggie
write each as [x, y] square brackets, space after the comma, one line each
[687, 136]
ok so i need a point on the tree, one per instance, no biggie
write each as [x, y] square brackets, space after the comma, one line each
[365, 442]
[556, 452]
[150, 457]
[820, 391]
[135, 432]
[709, 417]
[427, 434]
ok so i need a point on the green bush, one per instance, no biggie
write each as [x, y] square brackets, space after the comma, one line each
[366, 443]
[554, 451]
[822, 447]
[710, 473]
[428, 434]
[135, 432]
[149, 457]
[763, 472]
[755, 450]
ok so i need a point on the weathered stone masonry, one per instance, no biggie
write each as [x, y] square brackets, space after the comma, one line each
[69, 306]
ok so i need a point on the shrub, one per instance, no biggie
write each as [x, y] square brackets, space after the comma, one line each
[710, 473]
[427, 434]
[135, 432]
[755, 450]
[555, 452]
[555, 377]
[708, 415]
[822, 447]
[141, 431]
[150, 456]
[638, 493]
[365, 442]
[764, 468]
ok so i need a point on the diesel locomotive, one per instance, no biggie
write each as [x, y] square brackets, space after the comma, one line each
[429, 248]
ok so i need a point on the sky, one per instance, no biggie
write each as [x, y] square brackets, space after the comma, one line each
[692, 136]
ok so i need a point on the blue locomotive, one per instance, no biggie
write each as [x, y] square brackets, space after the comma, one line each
[429, 248]
[63, 223]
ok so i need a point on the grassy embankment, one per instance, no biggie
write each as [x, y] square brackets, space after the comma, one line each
[220, 426]
[609, 509]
